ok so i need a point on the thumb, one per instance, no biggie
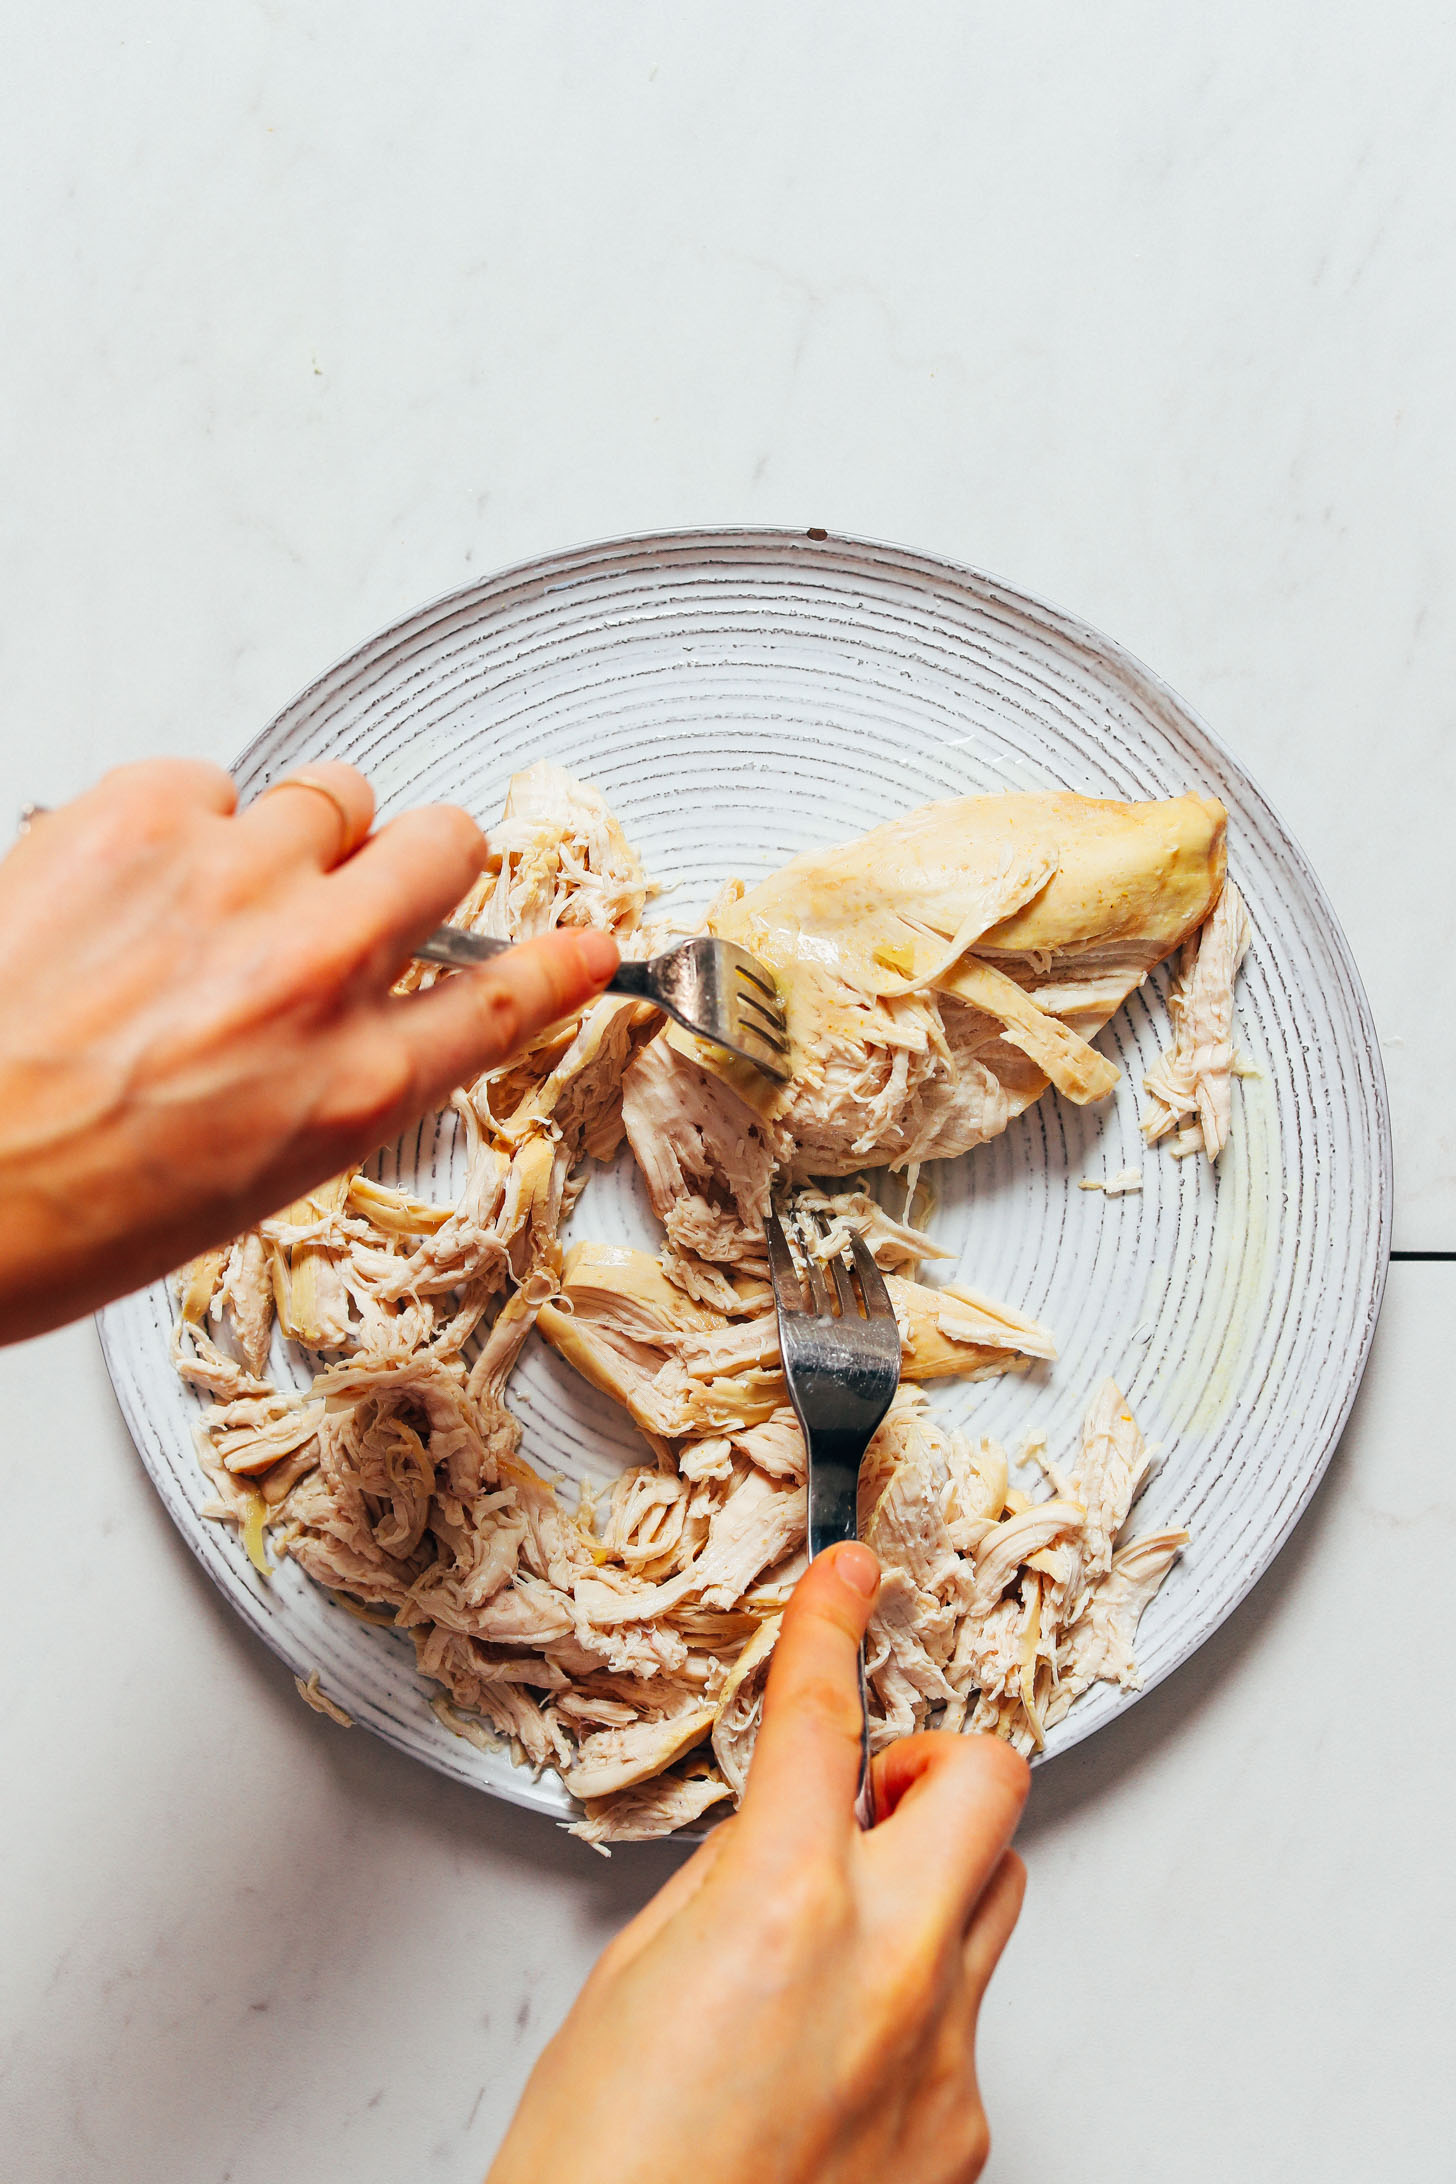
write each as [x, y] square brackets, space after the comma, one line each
[806, 1763]
[479, 1018]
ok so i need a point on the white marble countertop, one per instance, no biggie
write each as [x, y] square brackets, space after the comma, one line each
[315, 312]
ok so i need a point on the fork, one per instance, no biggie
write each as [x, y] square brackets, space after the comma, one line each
[841, 1357]
[713, 988]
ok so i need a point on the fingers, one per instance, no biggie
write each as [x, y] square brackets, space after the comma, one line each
[806, 1763]
[992, 1923]
[405, 1054]
[405, 880]
[319, 816]
[476, 1019]
[951, 1804]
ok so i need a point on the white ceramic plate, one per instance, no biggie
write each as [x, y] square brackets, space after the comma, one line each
[740, 695]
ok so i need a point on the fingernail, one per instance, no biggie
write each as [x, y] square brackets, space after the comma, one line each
[859, 1569]
[599, 953]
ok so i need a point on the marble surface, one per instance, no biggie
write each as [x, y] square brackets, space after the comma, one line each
[316, 311]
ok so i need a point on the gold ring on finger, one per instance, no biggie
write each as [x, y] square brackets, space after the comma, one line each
[320, 788]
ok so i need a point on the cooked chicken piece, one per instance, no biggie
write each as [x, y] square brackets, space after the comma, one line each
[938, 971]
[706, 1157]
[633, 1649]
[1060, 1053]
[943, 1330]
[563, 859]
[528, 1612]
[278, 1482]
[645, 1528]
[1114, 1186]
[235, 1500]
[486, 1381]
[908, 1641]
[196, 1357]
[228, 1288]
[987, 1665]
[308, 1279]
[898, 1246]
[1010, 878]
[197, 1283]
[894, 910]
[649, 1810]
[202, 1364]
[394, 1212]
[519, 1538]
[253, 1433]
[776, 1446]
[902, 1084]
[906, 1481]
[398, 1447]
[1099, 1644]
[704, 1283]
[681, 1369]
[709, 1462]
[740, 1707]
[245, 1296]
[558, 857]
[759, 1523]
[581, 1096]
[613, 1759]
[1112, 1465]
[464, 1448]
[978, 1490]
[1011, 1543]
[1195, 1076]
[469, 1727]
[527, 1668]
[601, 1711]
[1011, 1578]
[320, 1701]
[537, 1739]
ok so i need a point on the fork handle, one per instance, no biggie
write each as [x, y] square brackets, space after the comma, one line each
[457, 950]
[635, 978]
[462, 951]
[864, 1796]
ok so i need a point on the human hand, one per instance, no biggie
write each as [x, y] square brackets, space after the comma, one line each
[798, 2005]
[196, 1024]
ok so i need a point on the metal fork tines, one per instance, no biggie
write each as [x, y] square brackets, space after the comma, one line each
[713, 988]
[840, 1346]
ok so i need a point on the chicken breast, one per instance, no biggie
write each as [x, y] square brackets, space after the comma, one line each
[936, 976]
[1068, 900]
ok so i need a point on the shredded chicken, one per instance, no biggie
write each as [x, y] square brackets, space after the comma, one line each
[650, 1810]
[308, 1690]
[1114, 1186]
[938, 976]
[1194, 1078]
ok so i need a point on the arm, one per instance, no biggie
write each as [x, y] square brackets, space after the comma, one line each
[798, 2005]
[196, 1022]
